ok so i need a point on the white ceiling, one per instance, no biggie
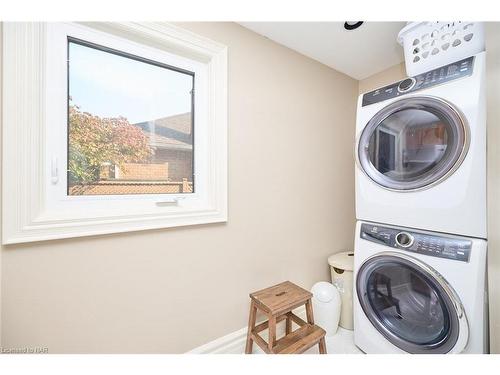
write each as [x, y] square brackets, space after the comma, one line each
[358, 53]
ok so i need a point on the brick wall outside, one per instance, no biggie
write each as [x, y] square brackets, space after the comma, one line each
[171, 165]
[142, 178]
[137, 171]
[180, 163]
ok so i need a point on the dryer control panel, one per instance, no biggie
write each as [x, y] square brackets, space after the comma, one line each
[415, 242]
[450, 72]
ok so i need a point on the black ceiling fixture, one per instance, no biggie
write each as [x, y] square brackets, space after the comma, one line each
[352, 25]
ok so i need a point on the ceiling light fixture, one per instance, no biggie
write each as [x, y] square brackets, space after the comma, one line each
[352, 25]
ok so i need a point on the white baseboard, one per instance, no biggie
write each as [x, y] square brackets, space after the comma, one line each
[234, 343]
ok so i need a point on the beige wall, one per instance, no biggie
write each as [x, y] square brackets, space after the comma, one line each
[291, 125]
[383, 78]
[493, 95]
[396, 73]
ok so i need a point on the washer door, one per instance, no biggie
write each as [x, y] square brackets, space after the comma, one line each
[413, 143]
[411, 304]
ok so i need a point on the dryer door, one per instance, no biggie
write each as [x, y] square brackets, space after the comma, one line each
[411, 304]
[413, 143]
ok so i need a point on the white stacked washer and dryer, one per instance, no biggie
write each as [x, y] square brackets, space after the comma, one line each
[420, 241]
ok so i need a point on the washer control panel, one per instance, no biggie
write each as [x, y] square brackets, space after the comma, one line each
[450, 72]
[426, 244]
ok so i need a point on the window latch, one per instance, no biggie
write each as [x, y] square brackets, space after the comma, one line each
[54, 172]
[174, 201]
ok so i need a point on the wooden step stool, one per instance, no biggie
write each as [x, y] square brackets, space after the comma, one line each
[277, 302]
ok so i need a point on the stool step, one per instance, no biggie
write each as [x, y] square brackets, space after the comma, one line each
[280, 298]
[300, 340]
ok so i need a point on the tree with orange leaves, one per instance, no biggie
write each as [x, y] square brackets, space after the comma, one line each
[95, 141]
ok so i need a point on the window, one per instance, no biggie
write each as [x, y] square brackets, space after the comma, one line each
[110, 128]
[130, 124]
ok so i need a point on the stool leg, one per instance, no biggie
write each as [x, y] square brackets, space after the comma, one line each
[272, 332]
[288, 327]
[309, 312]
[322, 346]
[251, 325]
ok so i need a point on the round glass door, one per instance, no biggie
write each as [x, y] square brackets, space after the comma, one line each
[413, 143]
[409, 305]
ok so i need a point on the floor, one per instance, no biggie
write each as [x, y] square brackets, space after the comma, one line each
[340, 343]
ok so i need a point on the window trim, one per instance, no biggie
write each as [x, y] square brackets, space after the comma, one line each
[27, 214]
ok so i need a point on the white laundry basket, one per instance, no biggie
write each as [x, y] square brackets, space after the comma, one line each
[429, 45]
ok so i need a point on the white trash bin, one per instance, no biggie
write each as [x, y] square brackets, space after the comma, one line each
[341, 267]
[326, 306]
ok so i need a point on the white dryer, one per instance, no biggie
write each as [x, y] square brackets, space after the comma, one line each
[419, 292]
[421, 151]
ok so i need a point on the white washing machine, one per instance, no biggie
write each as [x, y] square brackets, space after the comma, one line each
[419, 292]
[421, 151]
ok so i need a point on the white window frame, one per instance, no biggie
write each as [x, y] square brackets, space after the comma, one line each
[35, 202]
